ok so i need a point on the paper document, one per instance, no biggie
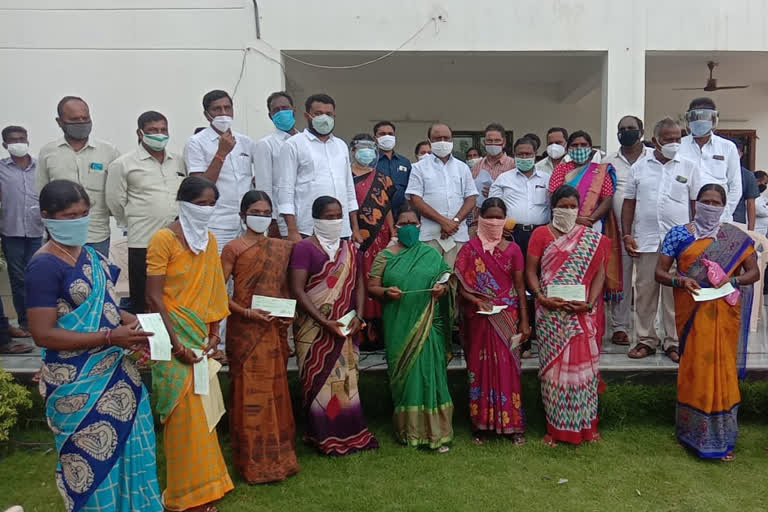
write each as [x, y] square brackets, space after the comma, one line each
[160, 343]
[446, 243]
[202, 385]
[213, 402]
[713, 293]
[283, 308]
[514, 341]
[567, 291]
[495, 310]
[346, 320]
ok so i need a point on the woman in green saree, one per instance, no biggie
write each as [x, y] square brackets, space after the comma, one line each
[417, 313]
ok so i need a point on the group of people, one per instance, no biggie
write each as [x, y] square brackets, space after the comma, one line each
[373, 249]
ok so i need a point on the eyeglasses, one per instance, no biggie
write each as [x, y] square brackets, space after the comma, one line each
[701, 114]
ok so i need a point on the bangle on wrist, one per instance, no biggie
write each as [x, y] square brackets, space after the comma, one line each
[735, 282]
[219, 158]
[108, 337]
[590, 306]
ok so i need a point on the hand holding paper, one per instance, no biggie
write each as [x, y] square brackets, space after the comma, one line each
[160, 343]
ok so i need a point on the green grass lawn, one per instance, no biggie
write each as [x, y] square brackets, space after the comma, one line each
[638, 466]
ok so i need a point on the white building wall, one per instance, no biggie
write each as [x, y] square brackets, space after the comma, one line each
[127, 56]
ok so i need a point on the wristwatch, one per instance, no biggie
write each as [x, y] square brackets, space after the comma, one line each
[456, 219]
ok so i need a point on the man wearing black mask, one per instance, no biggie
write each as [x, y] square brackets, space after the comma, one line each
[630, 134]
[83, 159]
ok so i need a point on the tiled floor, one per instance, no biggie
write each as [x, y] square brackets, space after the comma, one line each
[613, 359]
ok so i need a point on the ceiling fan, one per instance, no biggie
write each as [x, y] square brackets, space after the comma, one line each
[711, 82]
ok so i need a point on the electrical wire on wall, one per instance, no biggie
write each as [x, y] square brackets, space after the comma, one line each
[435, 20]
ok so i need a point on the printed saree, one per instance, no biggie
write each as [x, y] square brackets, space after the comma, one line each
[493, 363]
[712, 346]
[569, 347]
[262, 430]
[589, 180]
[97, 406]
[328, 365]
[194, 295]
[374, 195]
[417, 335]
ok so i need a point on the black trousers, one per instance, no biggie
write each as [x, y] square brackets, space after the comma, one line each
[522, 237]
[137, 279]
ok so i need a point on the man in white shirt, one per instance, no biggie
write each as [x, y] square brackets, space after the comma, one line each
[441, 188]
[524, 191]
[761, 203]
[315, 163]
[716, 158]
[141, 194]
[630, 135]
[267, 150]
[225, 158]
[557, 141]
[657, 197]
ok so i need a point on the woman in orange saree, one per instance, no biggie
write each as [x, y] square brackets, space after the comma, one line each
[186, 286]
[569, 345]
[712, 333]
[262, 431]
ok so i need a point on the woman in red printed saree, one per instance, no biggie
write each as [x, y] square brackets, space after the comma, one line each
[569, 346]
[374, 193]
[713, 334]
[596, 184]
[490, 270]
[327, 282]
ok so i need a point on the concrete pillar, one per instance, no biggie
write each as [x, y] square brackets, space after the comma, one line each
[623, 90]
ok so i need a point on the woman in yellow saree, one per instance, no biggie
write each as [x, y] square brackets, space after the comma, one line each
[185, 284]
[712, 333]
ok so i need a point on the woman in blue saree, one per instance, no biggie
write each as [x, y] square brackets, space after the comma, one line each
[95, 402]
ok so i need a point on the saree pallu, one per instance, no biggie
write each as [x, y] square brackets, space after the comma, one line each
[493, 364]
[710, 332]
[328, 365]
[417, 335]
[374, 193]
[589, 180]
[99, 412]
[569, 347]
[262, 430]
[194, 295]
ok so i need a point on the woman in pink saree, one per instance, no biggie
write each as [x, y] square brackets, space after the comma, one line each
[571, 255]
[490, 270]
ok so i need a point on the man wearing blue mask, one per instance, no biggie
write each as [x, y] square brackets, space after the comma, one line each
[83, 159]
[141, 194]
[716, 158]
[392, 164]
[312, 164]
[267, 150]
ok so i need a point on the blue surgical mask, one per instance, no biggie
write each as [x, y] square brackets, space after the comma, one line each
[365, 156]
[72, 232]
[284, 120]
[700, 128]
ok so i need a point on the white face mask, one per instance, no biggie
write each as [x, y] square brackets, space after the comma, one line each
[555, 151]
[222, 123]
[493, 149]
[670, 150]
[194, 224]
[328, 233]
[564, 219]
[386, 142]
[18, 149]
[425, 155]
[473, 161]
[442, 148]
[257, 223]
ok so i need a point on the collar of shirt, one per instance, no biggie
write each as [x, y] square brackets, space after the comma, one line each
[145, 155]
[8, 162]
[496, 167]
[537, 173]
[314, 138]
[63, 142]
[651, 157]
[396, 157]
[619, 154]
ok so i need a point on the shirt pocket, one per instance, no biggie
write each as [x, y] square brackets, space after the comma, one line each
[678, 192]
[716, 169]
[96, 179]
[539, 195]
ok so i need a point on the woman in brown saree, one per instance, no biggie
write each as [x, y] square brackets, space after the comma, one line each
[261, 419]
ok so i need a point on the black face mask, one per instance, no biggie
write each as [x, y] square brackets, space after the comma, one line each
[762, 188]
[629, 137]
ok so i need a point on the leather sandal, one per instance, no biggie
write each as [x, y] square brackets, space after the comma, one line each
[641, 351]
[673, 354]
[620, 338]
